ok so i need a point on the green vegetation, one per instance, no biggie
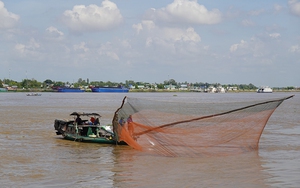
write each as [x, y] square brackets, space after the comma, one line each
[32, 84]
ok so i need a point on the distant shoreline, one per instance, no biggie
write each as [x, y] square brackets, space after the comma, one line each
[142, 90]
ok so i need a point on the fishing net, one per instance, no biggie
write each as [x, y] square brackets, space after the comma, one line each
[174, 128]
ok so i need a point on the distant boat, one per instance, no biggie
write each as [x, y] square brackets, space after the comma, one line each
[3, 90]
[264, 89]
[221, 90]
[33, 94]
[119, 89]
[68, 89]
[211, 89]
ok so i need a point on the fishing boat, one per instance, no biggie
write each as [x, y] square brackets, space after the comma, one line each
[85, 130]
[264, 89]
[118, 89]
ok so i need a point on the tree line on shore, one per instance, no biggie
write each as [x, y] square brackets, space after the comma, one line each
[48, 84]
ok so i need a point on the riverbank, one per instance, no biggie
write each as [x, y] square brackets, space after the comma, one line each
[36, 90]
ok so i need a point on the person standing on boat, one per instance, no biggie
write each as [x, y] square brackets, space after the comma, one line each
[97, 122]
[121, 121]
[130, 125]
[78, 120]
[129, 119]
[92, 120]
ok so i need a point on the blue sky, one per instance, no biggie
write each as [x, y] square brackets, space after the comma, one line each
[227, 42]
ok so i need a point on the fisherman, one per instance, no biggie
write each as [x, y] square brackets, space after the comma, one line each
[121, 121]
[97, 122]
[129, 119]
[92, 119]
[130, 125]
[78, 120]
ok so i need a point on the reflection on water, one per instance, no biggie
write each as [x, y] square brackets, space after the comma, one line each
[33, 156]
[150, 171]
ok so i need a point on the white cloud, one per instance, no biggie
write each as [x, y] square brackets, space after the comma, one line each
[170, 41]
[186, 11]
[256, 12]
[277, 7]
[167, 33]
[274, 35]
[92, 18]
[112, 55]
[254, 51]
[149, 41]
[126, 44]
[109, 51]
[7, 19]
[33, 44]
[294, 6]
[176, 34]
[235, 47]
[247, 23]
[145, 25]
[54, 31]
[138, 27]
[295, 49]
[81, 46]
[28, 49]
[20, 48]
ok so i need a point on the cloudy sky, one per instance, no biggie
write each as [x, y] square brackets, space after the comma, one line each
[227, 42]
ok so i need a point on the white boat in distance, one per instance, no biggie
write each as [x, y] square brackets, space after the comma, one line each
[265, 89]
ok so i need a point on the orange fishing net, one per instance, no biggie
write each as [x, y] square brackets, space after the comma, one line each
[193, 129]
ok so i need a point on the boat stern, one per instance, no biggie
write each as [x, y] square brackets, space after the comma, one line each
[60, 126]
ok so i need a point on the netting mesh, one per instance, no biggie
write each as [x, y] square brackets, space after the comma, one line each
[193, 129]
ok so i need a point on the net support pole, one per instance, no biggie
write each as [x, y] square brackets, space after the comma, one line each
[115, 122]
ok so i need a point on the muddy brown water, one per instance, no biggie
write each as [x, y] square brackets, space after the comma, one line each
[32, 155]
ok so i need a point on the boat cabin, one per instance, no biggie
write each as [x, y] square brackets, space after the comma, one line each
[84, 124]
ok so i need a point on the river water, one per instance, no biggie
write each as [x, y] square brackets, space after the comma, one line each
[32, 155]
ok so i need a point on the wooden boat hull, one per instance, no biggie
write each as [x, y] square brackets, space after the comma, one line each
[99, 140]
